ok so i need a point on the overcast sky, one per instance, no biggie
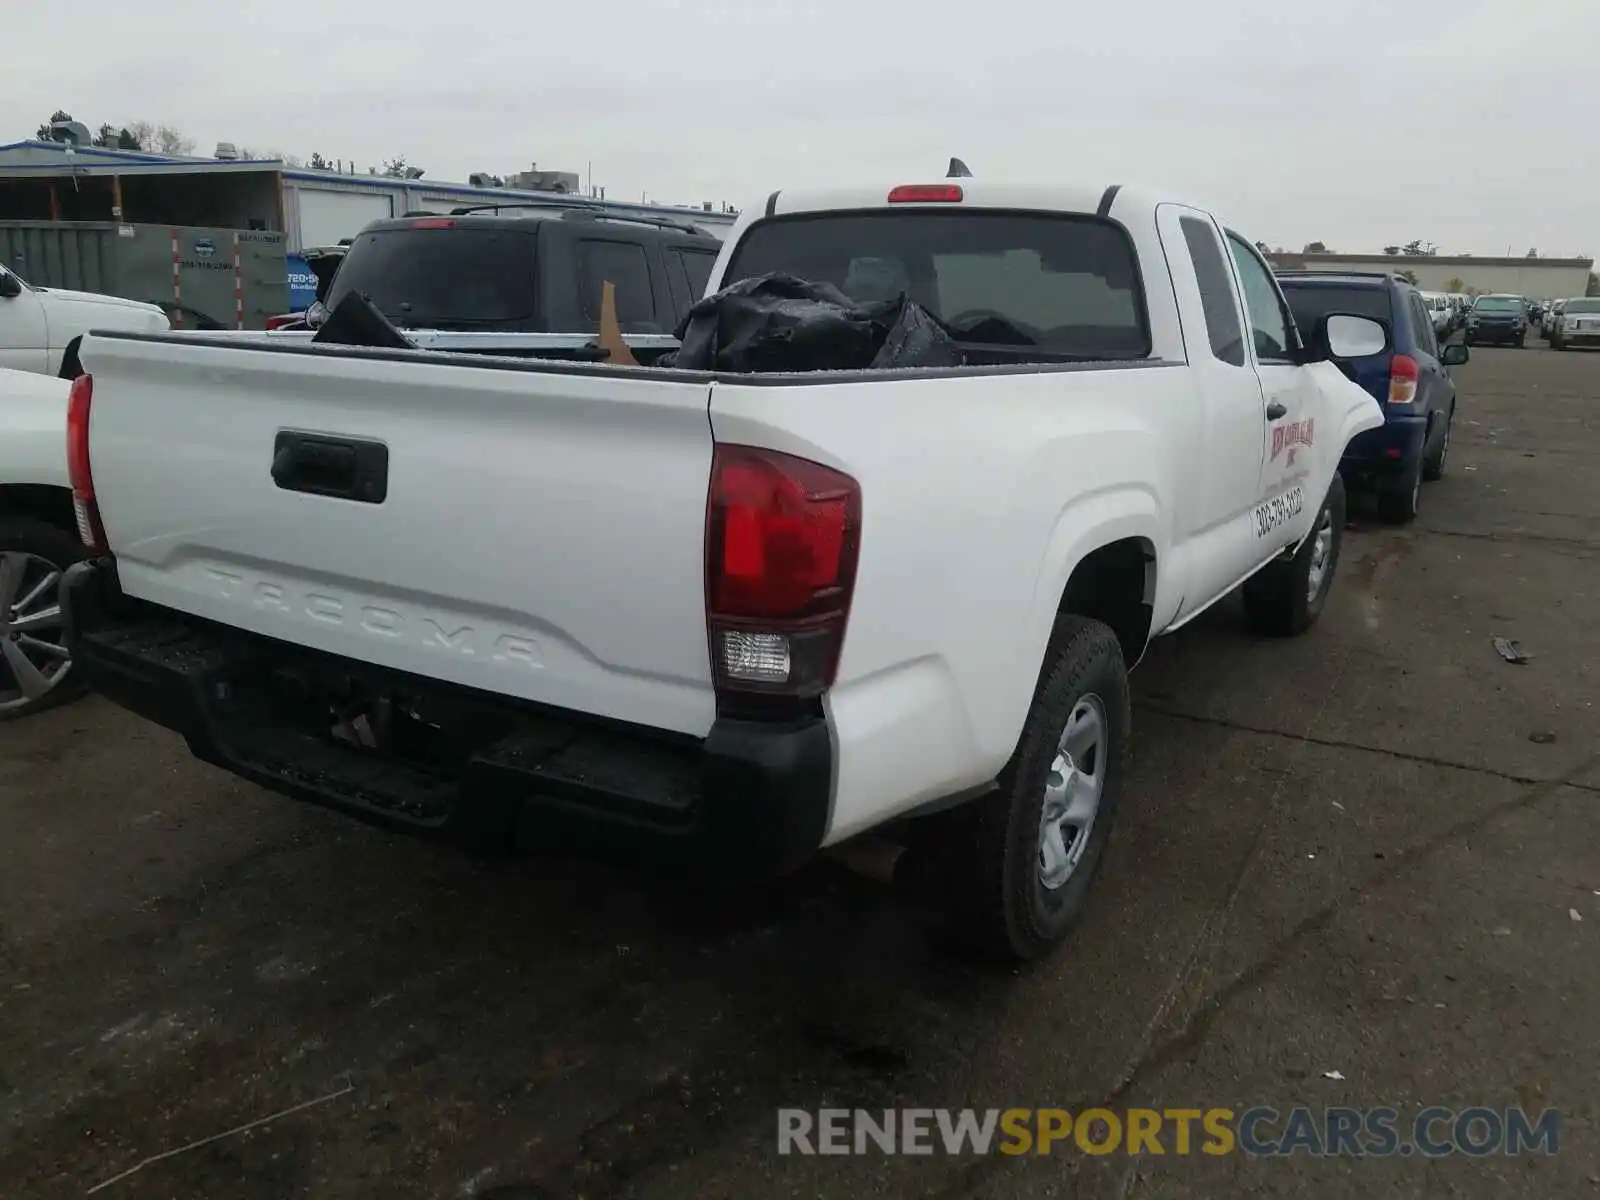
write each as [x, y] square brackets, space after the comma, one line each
[1470, 123]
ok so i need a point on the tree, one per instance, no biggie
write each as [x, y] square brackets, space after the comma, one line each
[1391, 250]
[1594, 285]
[1316, 248]
[45, 133]
[128, 141]
[1533, 252]
[1410, 277]
[143, 133]
[318, 163]
[106, 136]
[169, 140]
[1456, 284]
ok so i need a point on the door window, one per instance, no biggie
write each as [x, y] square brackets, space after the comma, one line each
[1216, 291]
[625, 267]
[1269, 319]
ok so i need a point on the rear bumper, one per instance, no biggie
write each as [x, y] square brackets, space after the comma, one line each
[752, 799]
[1386, 451]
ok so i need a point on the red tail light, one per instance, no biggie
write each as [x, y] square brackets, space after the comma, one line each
[927, 193]
[782, 534]
[90, 532]
[433, 223]
[1402, 379]
[286, 319]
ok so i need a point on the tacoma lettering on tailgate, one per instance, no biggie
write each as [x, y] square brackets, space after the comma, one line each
[424, 632]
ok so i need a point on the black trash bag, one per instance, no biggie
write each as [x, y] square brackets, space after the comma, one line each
[778, 322]
[917, 339]
[355, 321]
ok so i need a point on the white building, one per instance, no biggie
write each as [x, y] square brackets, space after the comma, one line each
[1535, 278]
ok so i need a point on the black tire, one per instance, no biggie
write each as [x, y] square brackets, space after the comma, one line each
[1521, 341]
[981, 871]
[61, 549]
[1398, 503]
[1278, 599]
[1433, 464]
[1468, 340]
[1557, 344]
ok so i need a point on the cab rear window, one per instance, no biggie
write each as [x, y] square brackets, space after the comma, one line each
[1061, 286]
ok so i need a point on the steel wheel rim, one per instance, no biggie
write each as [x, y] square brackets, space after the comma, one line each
[1072, 791]
[33, 658]
[1321, 553]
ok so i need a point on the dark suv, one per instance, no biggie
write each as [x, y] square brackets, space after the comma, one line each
[533, 269]
[1410, 378]
[1502, 319]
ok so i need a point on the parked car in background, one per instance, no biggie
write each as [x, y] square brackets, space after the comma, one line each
[1551, 316]
[1440, 312]
[1578, 324]
[38, 541]
[40, 327]
[1501, 319]
[1409, 377]
[40, 332]
[535, 269]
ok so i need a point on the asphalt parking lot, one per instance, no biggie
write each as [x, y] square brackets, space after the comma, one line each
[1370, 851]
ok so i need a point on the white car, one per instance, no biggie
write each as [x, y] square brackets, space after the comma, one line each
[727, 618]
[39, 327]
[38, 541]
[1440, 312]
[1578, 324]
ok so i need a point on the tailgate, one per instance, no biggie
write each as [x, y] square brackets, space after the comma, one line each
[540, 531]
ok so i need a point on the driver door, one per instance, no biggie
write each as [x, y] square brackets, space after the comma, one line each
[1284, 509]
[24, 333]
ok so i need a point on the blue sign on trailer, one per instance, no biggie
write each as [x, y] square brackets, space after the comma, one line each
[302, 284]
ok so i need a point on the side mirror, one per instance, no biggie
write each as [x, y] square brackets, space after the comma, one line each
[1454, 354]
[316, 314]
[1343, 335]
[10, 286]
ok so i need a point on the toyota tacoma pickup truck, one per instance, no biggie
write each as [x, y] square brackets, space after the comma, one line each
[725, 619]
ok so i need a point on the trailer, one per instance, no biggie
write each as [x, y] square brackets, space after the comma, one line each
[202, 277]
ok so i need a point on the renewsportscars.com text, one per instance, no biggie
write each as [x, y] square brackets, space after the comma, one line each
[1261, 1132]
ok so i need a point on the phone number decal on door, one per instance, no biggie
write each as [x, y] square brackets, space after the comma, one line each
[1275, 512]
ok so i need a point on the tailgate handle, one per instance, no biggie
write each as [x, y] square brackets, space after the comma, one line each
[344, 468]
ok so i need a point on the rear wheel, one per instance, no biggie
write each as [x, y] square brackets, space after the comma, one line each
[1009, 874]
[1399, 502]
[1287, 595]
[35, 667]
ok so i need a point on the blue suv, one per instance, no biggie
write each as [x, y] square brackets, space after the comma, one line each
[1410, 379]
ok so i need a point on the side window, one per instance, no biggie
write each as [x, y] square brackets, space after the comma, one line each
[624, 266]
[1422, 324]
[1269, 322]
[1216, 291]
[697, 265]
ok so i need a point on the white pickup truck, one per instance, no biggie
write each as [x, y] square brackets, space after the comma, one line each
[731, 618]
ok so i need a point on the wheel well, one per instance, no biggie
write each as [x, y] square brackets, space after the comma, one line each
[1116, 585]
[41, 502]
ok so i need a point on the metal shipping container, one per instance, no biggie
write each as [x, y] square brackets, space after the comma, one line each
[203, 278]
